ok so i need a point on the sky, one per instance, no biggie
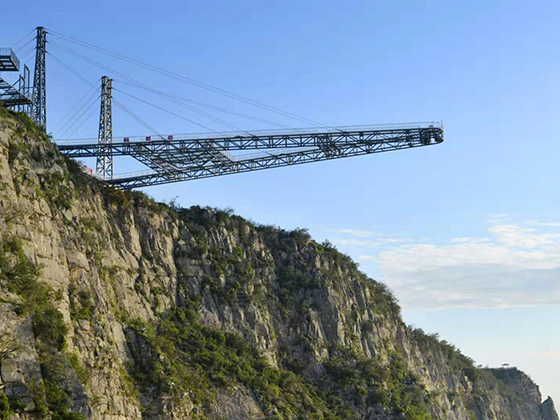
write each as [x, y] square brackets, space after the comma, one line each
[466, 233]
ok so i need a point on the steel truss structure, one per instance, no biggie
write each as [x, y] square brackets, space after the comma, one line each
[39, 112]
[195, 158]
[104, 165]
[15, 96]
[188, 158]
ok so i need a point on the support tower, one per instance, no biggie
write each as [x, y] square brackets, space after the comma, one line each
[39, 80]
[105, 139]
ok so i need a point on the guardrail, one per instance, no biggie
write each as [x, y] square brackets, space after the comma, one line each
[133, 174]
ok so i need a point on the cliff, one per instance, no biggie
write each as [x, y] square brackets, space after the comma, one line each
[115, 307]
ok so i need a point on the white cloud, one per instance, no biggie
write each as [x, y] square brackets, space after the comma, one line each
[517, 236]
[468, 239]
[357, 242]
[357, 232]
[549, 356]
[375, 242]
[499, 218]
[544, 224]
[367, 238]
[514, 266]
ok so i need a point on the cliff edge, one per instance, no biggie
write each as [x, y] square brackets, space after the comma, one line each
[115, 307]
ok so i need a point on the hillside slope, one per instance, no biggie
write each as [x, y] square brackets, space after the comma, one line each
[115, 307]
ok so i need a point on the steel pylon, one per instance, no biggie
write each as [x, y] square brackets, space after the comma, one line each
[39, 112]
[104, 165]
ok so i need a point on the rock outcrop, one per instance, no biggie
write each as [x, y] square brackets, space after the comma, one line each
[548, 410]
[115, 307]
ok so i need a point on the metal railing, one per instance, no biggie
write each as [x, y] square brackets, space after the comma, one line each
[133, 174]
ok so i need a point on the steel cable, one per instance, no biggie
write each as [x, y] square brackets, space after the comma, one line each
[75, 120]
[189, 80]
[215, 119]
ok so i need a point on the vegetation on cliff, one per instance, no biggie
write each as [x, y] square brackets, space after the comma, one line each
[115, 305]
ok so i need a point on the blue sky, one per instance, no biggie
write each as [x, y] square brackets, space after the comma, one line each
[471, 220]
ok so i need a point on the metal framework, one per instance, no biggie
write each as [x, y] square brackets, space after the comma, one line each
[104, 165]
[39, 113]
[195, 158]
[188, 158]
[15, 96]
[8, 60]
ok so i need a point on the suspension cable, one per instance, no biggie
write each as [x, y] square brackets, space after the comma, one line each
[183, 99]
[26, 53]
[166, 110]
[82, 123]
[72, 70]
[25, 45]
[188, 80]
[122, 106]
[75, 120]
[193, 109]
[23, 39]
[86, 98]
[71, 115]
[118, 103]
[138, 83]
[137, 118]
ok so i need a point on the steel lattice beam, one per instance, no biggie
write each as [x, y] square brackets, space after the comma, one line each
[184, 147]
[189, 159]
[195, 158]
[265, 162]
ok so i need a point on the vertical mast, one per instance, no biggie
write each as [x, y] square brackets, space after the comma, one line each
[105, 154]
[39, 113]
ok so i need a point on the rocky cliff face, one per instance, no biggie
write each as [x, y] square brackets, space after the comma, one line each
[549, 412]
[114, 307]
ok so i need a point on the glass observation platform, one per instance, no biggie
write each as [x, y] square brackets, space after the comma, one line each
[18, 94]
[8, 60]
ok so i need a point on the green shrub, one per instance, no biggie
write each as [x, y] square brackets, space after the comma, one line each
[16, 150]
[82, 372]
[368, 381]
[56, 190]
[185, 356]
[81, 306]
[367, 326]
[5, 410]
[20, 275]
[49, 328]
[116, 197]
[79, 177]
